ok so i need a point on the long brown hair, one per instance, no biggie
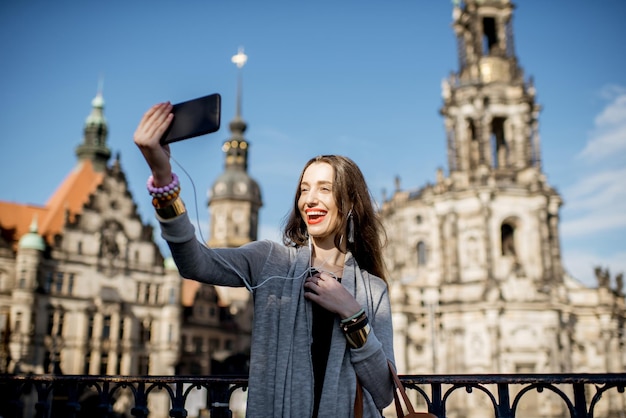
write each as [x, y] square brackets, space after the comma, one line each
[351, 194]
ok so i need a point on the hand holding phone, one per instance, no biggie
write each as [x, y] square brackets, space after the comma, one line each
[194, 118]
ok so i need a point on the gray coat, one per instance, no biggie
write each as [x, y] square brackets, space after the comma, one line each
[281, 370]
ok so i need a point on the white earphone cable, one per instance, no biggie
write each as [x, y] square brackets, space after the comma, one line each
[226, 262]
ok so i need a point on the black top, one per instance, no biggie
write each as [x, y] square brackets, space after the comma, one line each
[323, 322]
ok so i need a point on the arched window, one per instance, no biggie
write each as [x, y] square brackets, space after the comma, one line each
[70, 283]
[507, 239]
[145, 334]
[475, 157]
[490, 35]
[104, 363]
[22, 280]
[499, 144]
[90, 325]
[106, 327]
[56, 319]
[421, 254]
[120, 335]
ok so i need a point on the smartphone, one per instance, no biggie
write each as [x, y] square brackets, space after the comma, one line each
[194, 118]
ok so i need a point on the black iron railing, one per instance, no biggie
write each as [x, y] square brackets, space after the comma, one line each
[46, 396]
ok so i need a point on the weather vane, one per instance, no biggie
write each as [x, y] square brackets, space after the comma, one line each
[240, 58]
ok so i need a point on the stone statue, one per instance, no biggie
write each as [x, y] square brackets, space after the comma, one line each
[602, 276]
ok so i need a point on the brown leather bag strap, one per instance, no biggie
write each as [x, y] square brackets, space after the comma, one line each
[358, 400]
[405, 397]
[398, 404]
[400, 388]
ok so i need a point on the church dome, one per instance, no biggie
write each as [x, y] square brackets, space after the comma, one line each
[32, 240]
[96, 117]
[235, 185]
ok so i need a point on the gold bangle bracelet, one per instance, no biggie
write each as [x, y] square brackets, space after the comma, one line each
[358, 338]
[176, 208]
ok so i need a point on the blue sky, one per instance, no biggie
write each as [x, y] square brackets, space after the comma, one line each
[360, 78]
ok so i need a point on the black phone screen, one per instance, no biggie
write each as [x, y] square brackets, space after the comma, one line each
[194, 118]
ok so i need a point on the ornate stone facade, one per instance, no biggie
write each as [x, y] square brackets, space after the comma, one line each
[478, 285]
[85, 290]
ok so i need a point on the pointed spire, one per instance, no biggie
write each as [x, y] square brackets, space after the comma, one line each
[34, 227]
[95, 132]
[234, 191]
[236, 148]
[239, 60]
[97, 112]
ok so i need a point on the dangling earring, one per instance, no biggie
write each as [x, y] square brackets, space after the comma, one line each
[350, 227]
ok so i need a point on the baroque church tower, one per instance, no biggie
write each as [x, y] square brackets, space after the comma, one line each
[94, 147]
[235, 198]
[491, 120]
[477, 281]
[234, 203]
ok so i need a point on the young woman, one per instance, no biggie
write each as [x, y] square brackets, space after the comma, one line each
[322, 315]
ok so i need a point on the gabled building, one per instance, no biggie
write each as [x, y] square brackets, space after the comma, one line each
[82, 282]
[85, 289]
[83, 286]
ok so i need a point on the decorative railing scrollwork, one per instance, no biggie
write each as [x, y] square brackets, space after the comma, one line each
[49, 396]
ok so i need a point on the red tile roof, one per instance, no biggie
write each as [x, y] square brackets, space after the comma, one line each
[71, 196]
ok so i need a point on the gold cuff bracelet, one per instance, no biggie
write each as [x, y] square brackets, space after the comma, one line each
[176, 208]
[357, 338]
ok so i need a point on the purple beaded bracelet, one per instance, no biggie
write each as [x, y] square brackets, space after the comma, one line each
[162, 192]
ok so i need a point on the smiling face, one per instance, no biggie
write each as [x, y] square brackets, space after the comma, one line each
[317, 203]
